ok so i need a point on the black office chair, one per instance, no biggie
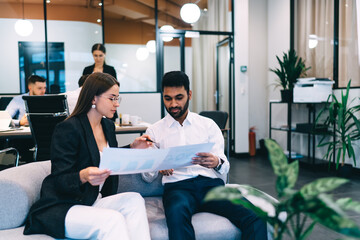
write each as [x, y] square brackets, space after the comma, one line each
[7, 161]
[4, 101]
[220, 118]
[44, 112]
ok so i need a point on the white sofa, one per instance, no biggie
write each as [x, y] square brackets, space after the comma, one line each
[20, 188]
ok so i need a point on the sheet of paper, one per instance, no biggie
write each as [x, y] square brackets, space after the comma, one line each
[181, 156]
[128, 161]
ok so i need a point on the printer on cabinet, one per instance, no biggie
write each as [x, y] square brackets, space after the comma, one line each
[313, 89]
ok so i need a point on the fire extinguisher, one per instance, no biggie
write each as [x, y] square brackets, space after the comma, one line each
[252, 142]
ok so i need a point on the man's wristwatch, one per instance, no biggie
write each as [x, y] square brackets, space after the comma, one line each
[217, 168]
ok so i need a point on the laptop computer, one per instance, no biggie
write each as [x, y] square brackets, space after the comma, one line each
[5, 120]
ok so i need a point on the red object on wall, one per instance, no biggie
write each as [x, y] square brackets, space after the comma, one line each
[252, 142]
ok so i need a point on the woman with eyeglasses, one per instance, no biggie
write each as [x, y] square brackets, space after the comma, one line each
[78, 200]
[98, 51]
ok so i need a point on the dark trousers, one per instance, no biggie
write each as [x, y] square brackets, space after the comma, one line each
[184, 198]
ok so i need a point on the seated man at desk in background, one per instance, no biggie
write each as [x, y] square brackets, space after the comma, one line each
[16, 108]
[185, 188]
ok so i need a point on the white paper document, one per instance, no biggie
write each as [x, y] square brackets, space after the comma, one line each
[128, 161]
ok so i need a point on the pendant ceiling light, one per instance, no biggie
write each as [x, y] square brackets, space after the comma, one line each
[151, 46]
[142, 54]
[23, 27]
[167, 28]
[190, 12]
[313, 41]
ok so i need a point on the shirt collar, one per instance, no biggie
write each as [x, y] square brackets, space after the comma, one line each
[170, 121]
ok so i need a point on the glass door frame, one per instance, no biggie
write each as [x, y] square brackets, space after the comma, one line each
[181, 33]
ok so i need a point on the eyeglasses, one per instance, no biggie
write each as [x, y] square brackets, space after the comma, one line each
[114, 99]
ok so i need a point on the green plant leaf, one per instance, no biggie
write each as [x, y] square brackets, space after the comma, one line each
[321, 185]
[277, 157]
[347, 128]
[288, 180]
[234, 195]
[292, 173]
[247, 190]
[281, 185]
[308, 231]
[338, 158]
[291, 68]
[329, 214]
[348, 204]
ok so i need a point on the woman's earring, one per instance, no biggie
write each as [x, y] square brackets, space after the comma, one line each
[93, 106]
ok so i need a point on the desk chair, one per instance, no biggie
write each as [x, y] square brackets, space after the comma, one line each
[6, 161]
[220, 118]
[4, 101]
[44, 112]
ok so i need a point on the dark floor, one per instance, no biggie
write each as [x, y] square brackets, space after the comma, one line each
[257, 172]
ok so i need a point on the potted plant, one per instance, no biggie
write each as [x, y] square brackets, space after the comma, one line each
[291, 68]
[290, 215]
[344, 125]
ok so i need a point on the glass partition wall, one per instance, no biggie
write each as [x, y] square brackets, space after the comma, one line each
[210, 85]
[327, 36]
[20, 23]
[128, 29]
[76, 26]
[138, 46]
[70, 29]
[130, 42]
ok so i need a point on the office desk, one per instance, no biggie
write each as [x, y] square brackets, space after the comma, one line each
[130, 129]
[25, 132]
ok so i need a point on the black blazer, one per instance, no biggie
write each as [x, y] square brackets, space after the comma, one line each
[107, 69]
[73, 148]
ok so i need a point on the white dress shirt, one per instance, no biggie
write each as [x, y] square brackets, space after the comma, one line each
[16, 108]
[72, 97]
[195, 129]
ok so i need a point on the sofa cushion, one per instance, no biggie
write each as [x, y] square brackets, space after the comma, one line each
[207, 226]
[17, 234]
[19, 189]
[135, 183]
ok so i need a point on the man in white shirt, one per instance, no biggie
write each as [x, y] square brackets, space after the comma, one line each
[185, 188]
[72, 96]
[16, 108]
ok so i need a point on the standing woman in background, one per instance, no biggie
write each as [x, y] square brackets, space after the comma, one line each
[98, 51]
[78, 200]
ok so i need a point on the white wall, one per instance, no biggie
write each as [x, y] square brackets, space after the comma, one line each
[278, 24]
[144, 105]
[262, 30]
[241, 48]
[257, 71]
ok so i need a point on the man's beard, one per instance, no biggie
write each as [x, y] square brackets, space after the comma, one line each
[181, 112]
